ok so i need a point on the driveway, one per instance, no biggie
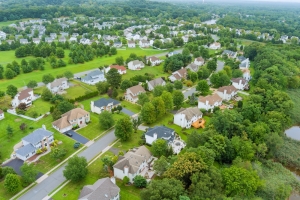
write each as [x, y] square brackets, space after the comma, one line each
[220, 65]
[77, 137]
[188, 92]
[127, 112]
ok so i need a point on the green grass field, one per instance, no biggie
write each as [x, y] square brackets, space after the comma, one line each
[157, 71]
[39, 106]
[23, 79]
[132, 142]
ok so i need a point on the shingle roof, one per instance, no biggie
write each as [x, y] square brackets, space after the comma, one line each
[193, 67]
[75, 113]
[237, 80]
[57, 82]
[24, 94]
[190, 112]
[136, 89]
[37, 135]
[229, 89]
[210, 98]
[23, 151]
[137, 62]
[241, 58]
[118, 67]
[230, 53]
[153, 58]
[105, 101]
[90, 75]
[200, 59]
[103, 189]
[161, 132]
[156, 82]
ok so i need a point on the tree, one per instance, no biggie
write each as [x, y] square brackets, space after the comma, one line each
[139, 181]
[60, 53]
[159, 107]
[236, 73]
[159, 147]
[106, 120]
[64, 106]
[212, 65]
[193, 139]
[57, 153]
[178, 85]
[203, 87]
[9, 73]
[68, 75]
[76, 169]
[148, 113]
[22, 106]
[12, 91]
[46, 95]
[113, 78]
[120, 60]
[32, 84]
[2, 94]
[9, 131]
[124, 129]
[113, 51]
[108, 162]
[168, 100]
[161, 165]
[125, 84]
[166, 188]
[143, 98]
[47, 78]
[102, 87]
[158, 90]
[29, 173]
[169, 87]
[7, 170]
[135, 123]
[12, 183]
[178, 99]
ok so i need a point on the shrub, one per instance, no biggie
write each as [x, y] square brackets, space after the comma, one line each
[125, 180]
[139, 181]
[87, 96]
[189, 83]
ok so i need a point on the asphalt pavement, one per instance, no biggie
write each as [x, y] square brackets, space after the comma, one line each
[42, 189]
[77, 137]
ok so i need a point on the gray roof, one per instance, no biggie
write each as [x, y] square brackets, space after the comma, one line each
[230, 53]
[156, 82]
[241, 58]
[57, 82]
[37, 135]
[23, 151]
[90, 75]
[103, 189]
[162, 133]
[193, 67]
[105, 101]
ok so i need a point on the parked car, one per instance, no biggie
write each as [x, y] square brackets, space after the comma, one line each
[69, 134]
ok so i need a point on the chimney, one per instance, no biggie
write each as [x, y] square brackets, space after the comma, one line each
[155, 136]
[240, 83]
[126, 170]
[113, 179]
[44, 127]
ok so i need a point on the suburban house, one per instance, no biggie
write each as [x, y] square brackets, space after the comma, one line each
[73, 118]
[38, 139]
[1, 114]
[104, 189]
[193, 67]
[154, 60]
[131, 44]
[36, 40]
[159, 132]
[186, 116]
[230, 54]
[23, 41]
[62, 39]
[199, 61]
[227, 92]
[209, 102]
[26, 96]
[103, 104]
[136, 65]
[178, 75]
[121, 69]
[240, 83]
[58, 85]
[153, 83]
[244, 62]
[133, 163]
[173, 53]
[133, 92]
[246, 74]
[93, 77]
[215, 46]
[144, 43]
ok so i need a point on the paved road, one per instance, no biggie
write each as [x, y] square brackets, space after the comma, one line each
[41, 190]
[78, 137]
[188, 92]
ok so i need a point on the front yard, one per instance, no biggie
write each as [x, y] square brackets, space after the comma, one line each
[132, 142]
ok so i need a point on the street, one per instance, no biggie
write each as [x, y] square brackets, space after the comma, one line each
[42, 189]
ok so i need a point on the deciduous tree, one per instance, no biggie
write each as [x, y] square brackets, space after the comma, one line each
[124, 129]
[12, 183]
[148, 113]
[139, 181]
[106, 120]
[12, 91]
[178, 98]
[32, 84]
[113, 78]
[159, 147]
[29, 173]
[203, 87]
[76, 169]
[48, 78]
[142, 99]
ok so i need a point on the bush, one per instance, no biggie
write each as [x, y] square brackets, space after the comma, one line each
[39, 151]
[125, 180]
[189, 83]
[20, 112]
[87, 96]
[139, 181]
[142, 142]
[7, 170]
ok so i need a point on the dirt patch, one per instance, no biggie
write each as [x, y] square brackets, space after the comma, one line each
[17, 120]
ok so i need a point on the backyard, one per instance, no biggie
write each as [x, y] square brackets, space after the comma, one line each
[77, 89]
[38, 108]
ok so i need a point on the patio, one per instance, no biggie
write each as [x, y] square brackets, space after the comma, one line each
[178, 145]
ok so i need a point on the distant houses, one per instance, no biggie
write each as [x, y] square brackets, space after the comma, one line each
[178, 75]
[1, 114]
[136, 65]
[209, 102]
[227, 92]
[93, 77]
[215, 46]
[154, 60]
[153, 83]
[121, 69]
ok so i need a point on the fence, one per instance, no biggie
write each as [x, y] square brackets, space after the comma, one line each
[13, 112]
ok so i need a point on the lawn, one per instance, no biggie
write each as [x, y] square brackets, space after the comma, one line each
[23, 79]
[132, 142]
[39, 106]
[128, 192]
[5, 102]
[130, 106]
[78, 89]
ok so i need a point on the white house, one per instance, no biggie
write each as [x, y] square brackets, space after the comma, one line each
[144, 43]
[193, 67]
[153, 83]
[154, 60]
[131, 44]
[36, 40]
[23, 41]
[136, 65]
[230, 54]
[121, 69]
[185, 38]
[215, 46]
[103, 104]
[246, 74]
[2, 35]
[26, 96]
[38, 139]
[240, 83]
[178, 75]
[209, 102]
[199, 61]
[93, 77]
[244, 62]
[227, 92]
[133, 92]
[186, 116]
[172, 53]
[1, 114]
[104, 189]
[133, 163]
[58, 85]
[73, 118]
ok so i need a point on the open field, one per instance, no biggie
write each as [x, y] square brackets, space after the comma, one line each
[23, 79]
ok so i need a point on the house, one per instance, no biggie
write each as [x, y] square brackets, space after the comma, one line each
[121, 69]
[230, 54]
[53, 36]
[58, 85]
[103, 104]
[73, 39]
[246, 74]
[136, 65]
[2, 35]
[159, 132]
[144, 43]
[73, 118]
[117, 44]
[220, 65]
[244, 62]
[154, 60]
[48, 39]
[40, 138]
[133, 92]
[199, 61]
[23, 41]
[153, 83]
[227, 92]
[215, 46]
[62, 39]
[133, 163]
[1, 114]
[186, 116]
[172, 53]
[209, 102]
[26, 96]
[93, 77]
[185, 38]
[178, 75]
[104, 189]
[131, 44]
[240, 83]
[36, 40]
[193, 67]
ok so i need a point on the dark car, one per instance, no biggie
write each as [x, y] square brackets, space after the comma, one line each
[69, 134]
